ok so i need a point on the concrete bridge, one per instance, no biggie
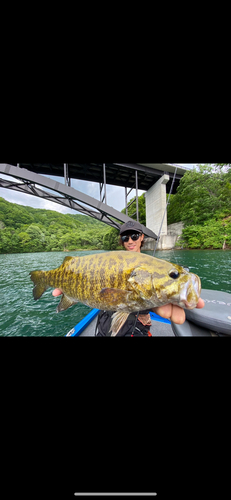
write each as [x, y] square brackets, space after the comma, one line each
[154, 178]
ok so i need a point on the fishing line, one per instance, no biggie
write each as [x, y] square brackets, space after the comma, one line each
[168, 202]
[134, 327]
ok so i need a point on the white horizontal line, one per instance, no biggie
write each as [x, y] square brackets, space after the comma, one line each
[115, 494]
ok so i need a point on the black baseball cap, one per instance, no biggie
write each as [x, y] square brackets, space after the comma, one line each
[131, 226]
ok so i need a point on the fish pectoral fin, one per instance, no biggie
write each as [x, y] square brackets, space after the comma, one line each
[141, 280]
[118, 320]
[114, 296]
[65, 303]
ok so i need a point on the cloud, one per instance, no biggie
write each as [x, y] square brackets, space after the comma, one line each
[188, 165]
[115, 195]
[31, 201]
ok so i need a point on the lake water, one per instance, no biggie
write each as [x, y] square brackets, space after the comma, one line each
[20, 315]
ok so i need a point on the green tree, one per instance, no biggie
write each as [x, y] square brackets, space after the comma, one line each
[111, 239]
[212, 234]
[141, 208]
[174, 210]
[37, 236]
[24, 240]
[201, 195]
[9, 241]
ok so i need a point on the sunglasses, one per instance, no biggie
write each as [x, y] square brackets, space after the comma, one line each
[134, 237]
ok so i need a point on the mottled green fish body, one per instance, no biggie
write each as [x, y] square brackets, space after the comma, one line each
[119, 281]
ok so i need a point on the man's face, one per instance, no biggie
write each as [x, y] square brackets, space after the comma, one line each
[132, 245]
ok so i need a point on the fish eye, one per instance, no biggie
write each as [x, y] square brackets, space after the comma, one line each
[174, 275]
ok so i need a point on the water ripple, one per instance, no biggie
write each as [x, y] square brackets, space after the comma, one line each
[20, 315]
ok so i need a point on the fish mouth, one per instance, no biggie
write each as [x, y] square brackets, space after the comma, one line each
[190, 294]
[189, 305]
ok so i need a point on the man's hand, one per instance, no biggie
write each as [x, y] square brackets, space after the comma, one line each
[175, 313]
[57, 292]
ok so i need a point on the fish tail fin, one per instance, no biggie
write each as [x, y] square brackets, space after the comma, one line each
[40, 285]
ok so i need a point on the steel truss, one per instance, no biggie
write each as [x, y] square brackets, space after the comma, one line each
[28, 182]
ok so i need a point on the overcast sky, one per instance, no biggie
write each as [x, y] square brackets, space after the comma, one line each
[115, 195]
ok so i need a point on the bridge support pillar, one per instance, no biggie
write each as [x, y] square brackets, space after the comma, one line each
[155, 206]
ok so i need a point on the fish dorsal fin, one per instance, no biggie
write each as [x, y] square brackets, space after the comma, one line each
[66, 260]
[65, 303]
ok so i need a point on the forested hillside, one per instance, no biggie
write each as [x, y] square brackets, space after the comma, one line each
[26, 229]
[203, 203]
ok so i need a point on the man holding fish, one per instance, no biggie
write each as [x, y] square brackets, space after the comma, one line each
[149, 282]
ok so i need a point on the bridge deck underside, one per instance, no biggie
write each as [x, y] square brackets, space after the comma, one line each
[116, 174]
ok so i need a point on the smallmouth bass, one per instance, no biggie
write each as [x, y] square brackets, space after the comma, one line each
[119, 281]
